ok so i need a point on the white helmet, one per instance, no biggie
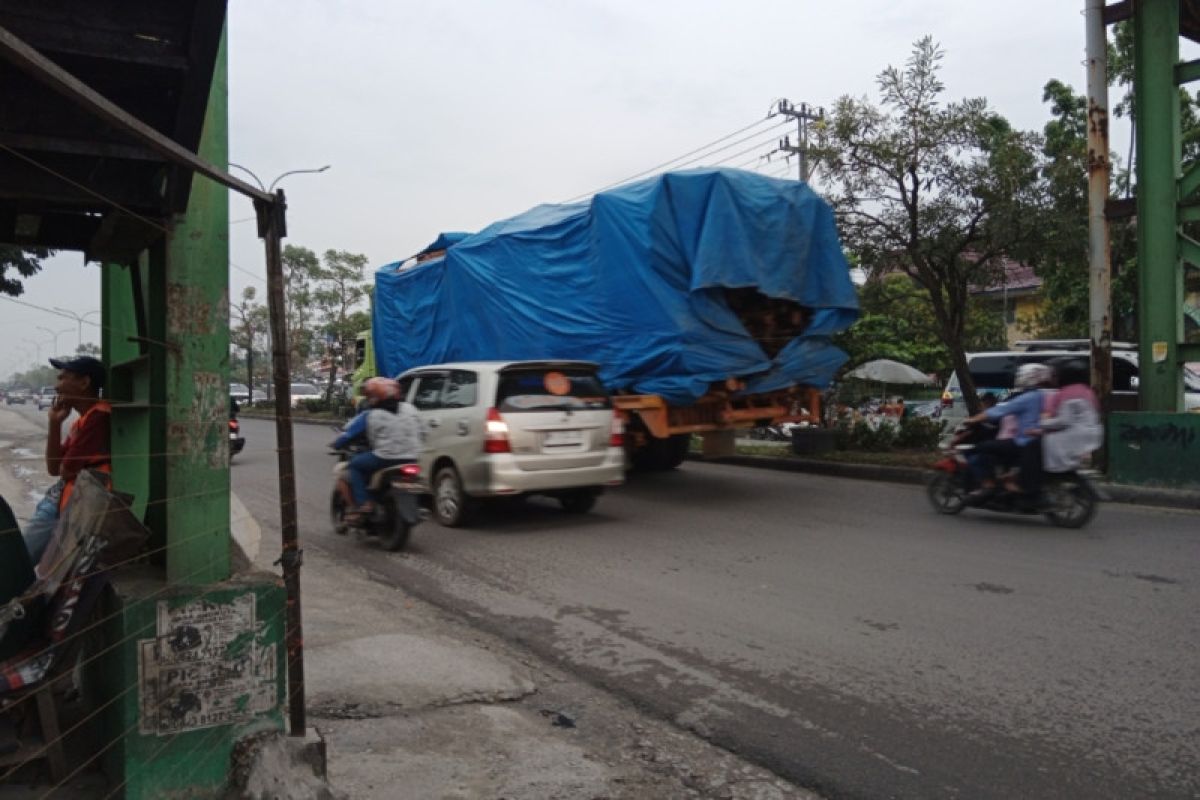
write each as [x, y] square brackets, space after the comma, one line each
[1030, 376]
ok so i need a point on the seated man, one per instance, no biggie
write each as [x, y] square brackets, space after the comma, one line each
[86, 446]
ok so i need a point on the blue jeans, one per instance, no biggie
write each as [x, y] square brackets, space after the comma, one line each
[362, 467]
[40, 528]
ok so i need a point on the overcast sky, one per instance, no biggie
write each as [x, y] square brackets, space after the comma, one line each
[448, 116]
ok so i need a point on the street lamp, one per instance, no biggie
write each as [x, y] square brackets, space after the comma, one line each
[55, 334]
[271, 188]
[78, 318]
[38, 346]
[280, 177]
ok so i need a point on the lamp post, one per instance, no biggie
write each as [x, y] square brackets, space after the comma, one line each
[55, 334]
[280, 177]
[38, 347]
[79, 318]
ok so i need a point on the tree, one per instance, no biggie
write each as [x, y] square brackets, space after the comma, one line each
[25, 262]
[1062, 259]
[896, 322]
[300, 269]
[88, 349]
[339, 291]
[939, 192]
[251, 325]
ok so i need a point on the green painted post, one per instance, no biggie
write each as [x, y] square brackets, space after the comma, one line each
[1156, 100]
[197, 364]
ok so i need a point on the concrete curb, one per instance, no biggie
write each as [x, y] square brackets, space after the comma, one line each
[295, 420]
[1120, 493]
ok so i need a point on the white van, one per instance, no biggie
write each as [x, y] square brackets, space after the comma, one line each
[995, 371]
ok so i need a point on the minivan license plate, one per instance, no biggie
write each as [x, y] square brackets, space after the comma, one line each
[562, 438]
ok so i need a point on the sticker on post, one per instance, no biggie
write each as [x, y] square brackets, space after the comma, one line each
[1158, 351]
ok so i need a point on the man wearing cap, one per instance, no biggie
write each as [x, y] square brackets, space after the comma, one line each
[78, 388]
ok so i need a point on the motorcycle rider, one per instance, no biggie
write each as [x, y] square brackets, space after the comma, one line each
[393, 432]
[1024, 448]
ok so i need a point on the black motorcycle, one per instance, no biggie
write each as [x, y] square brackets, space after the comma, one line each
[1067, 499]
[395, 495]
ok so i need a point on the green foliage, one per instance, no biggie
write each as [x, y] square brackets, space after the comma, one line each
[34, 377]
[88, 349]
[897, 322]
[300, 267]
[941, 191]
[919, 433]
[1061, 252]
[338, 296]
[24, 262]
[912, 433]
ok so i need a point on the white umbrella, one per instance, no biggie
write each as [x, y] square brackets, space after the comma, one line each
[884, 370]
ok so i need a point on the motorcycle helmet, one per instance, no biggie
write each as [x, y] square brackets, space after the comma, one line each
[1031, 376]
[380, 390]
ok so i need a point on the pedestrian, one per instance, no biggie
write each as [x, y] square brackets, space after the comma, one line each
[87, 445]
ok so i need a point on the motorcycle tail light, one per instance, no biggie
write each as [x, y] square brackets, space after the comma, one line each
[410, 470]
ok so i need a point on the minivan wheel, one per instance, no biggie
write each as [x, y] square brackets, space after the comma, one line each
[451, 505]
[580, 501]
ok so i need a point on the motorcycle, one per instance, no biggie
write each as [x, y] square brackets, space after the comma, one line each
[395, 493]
[1068, 499]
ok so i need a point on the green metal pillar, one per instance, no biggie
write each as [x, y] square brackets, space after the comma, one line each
[194, 663]
[197, 365]
[1156, 101]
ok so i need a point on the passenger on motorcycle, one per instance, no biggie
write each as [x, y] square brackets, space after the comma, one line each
[1072, 425]
[1024, 447]
[393, 432]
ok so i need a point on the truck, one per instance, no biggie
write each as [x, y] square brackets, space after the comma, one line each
[708, 299]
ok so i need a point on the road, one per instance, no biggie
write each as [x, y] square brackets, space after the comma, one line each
[835, 631]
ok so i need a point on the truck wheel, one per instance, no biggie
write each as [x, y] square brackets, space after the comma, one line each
[675, 450]
[451, 505]
[580, 501]
[662, 455]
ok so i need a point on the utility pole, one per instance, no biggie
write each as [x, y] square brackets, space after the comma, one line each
[803, 115]
[1099, 252]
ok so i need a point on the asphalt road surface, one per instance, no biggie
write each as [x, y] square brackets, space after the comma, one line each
[835, 631]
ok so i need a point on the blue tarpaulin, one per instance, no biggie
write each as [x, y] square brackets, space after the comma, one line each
[633, 280]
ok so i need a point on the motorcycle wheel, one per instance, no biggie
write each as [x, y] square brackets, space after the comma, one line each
[337, 510]
[393, 530]
[945, 494]
[1072, 505]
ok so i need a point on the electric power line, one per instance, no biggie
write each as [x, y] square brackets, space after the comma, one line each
[701, 149]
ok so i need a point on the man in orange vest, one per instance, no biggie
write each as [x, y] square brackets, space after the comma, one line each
[78, 388]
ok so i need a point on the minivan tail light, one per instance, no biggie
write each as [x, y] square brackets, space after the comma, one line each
[616, 432]
[495, 438]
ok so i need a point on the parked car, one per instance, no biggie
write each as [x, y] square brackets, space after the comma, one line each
[45, 397]
[305, 391]
[515, 428]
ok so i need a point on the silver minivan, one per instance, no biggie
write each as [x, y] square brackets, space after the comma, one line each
[511, 428]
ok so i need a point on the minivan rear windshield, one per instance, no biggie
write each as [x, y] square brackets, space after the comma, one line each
[550, 390]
